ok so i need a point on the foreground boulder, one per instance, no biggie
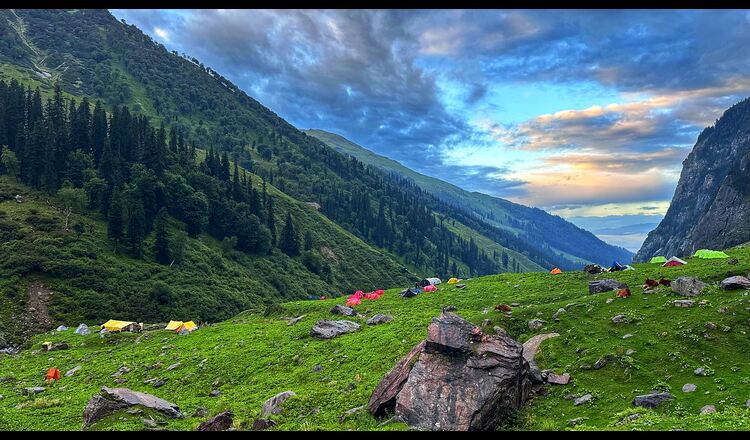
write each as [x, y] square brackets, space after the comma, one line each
[274, 405]
[737, 282]
[688, 286]
[379, 319]
[114, 399]
[338, 309]
[607, 285]
[651, 400]
[331, 329]
[221, 422]
[458, 379]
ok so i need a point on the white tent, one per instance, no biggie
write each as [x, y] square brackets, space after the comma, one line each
[674, 260]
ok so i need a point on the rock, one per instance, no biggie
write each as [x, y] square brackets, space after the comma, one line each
[214, 393]
[747, 403]
[593, 269]
[173, 366]
[317, 369]
[619, 319]
[710, 326]
[683, 303]
[56, 346]
[556, 316]
[120, 371]
[651, 400]
[736, 282]
[151, 423]
[575, 422]
[274, 404]
[536, 324]
[262, 424]
[557, 379]
[461, 379]
[200, 412]
[379, 319]
[732, 261]
[350, 413]
[30, 391]
[113, 399]
[460, 286]
[156, 383]
[72, 371]
[609, 300]
[220, 422]
[338, 309]
[383, 398]
[331, 329]
[535, 374]
[586, 398]
[515, 304]
[629, 352]
[450, 308]
[603, 361]
[700, 371]
[708, 409]
[688, 286]
[688, 388]
[61, 328]
[600, 286]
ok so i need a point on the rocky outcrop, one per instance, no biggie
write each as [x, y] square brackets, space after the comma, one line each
[736, 282]
[115, 399]
[651, 400]
[274, 405]
[379, 319]
[338, 309]
[221, 422]
[458, 379]
[607, 285]
[331, 329]
[710, 207]
[687, 286]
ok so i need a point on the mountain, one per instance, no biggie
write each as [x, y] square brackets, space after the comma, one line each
[711, 205]
[535, 228]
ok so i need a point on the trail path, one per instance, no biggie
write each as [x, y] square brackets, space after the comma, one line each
[531, 346]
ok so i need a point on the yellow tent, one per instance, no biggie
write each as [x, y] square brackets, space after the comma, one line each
[173, 325]
[453, 281]
[118, 326]
[189, 326]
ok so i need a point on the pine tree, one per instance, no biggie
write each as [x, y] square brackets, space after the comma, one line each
[136, 227]
[289, 240]
[271, 220]
[308, 241]
[115, 222]
[161, 242]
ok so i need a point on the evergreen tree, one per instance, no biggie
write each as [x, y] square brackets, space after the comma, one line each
[289, 240]
[308, 241]
[161, 242]
[115, 221]
[271, 221]
[135, 231]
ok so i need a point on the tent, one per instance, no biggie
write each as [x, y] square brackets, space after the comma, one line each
[408, 293]
[187, 327]
[430, 288]
[710, 254]
[659, 259]
[555, 271]
[674, 261]
[453, 281]
[120, 326]
[52, 374]
[83, 329]
[173, 325]
[430, 281]
[616, 267]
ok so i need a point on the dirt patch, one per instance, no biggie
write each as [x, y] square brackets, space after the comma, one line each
[329, 254]
[37, 319]
[531, 346]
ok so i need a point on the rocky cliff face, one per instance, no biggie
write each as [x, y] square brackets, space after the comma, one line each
[711, 206]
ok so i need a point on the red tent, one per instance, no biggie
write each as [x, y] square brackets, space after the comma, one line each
[53, 374]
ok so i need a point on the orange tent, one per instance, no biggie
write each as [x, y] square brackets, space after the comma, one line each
[53, 374]
[555, 271]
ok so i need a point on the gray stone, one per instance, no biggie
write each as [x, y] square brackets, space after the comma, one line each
[708, 409]
[736, 282]
[652, 400]
[586, 398]
[379, 319]
[575, 422]
[113, 399]
[73, 371]
[274, 404]
[557, 379]
[173, 366]
[732, 261]
[155, 382]
[619, 319]
[338, 309]
[688, 286]
[711, 326]
[262, 424]
[30, 391]
[627, 336]
[629, 352]
[450, 308]
[601, 362]
[556, 316]
[536, 324]
[607, 285]
[688, 388]
[683, 303]
[220, 422]
[214, 393]
[609, 300]
[331, 329]
[700, 371]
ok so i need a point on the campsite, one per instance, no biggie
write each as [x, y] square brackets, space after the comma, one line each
[244, 361]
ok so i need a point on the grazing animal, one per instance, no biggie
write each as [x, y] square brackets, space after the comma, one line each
[623, 293]
[665, 282]
[650, 284]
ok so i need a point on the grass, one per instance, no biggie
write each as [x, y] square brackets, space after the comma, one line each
[255, 357]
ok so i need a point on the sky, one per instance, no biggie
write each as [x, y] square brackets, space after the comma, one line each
[587, 114]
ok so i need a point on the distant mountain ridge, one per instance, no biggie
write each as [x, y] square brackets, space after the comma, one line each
[536, 228]
[711, 205]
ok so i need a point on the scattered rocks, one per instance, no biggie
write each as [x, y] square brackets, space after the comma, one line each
[214, 393]
[593, 269]
[708, 409]
[458, 379]
[619, 319]
[700, 371]
[292, 321]
[120, 371]
[710, 326]
[200, 412]
[575, 422]
[627, 336]
[173, 366]
[274, 404]
[317, 369]
[73, 371]
[61, 328]
[556, 379]
[556, 316]
[151, 423]
[652, 400]
[603, 361]
[586, 398]
[683, 303]
[450, 308]
[331, 329]
[379, 319]
[688, 286]
[113, 399]
[338, 309]
[688, 388]
[156, 383]
[350, 413]
[262, 424]
[736, 282]
[732, 261]
[536, 324]
[30, 391]
[56, 346]
[607, 285]
[220, 422]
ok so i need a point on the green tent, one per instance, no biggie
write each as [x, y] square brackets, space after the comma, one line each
[659, 259]
[708, 253]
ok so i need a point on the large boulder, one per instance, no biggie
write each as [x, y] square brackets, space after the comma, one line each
[600, 286]
[338, 309]
[737, 282]
[331, 329]
[458, 379]
[688, 286]
[274, 405]
[221, 422]
[379, 319]
[114, 399]
[651, 400]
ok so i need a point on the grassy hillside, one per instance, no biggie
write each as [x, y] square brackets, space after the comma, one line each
[538, 229]
[253, 357]
[212, 282]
